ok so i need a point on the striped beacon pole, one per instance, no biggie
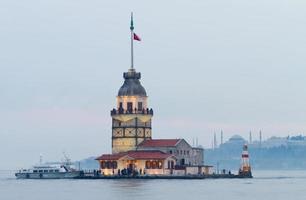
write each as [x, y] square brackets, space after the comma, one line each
[245, 169]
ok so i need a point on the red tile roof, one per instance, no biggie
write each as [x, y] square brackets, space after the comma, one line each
[137, 155]
[159, 143]
[111, 156]
[148, 155]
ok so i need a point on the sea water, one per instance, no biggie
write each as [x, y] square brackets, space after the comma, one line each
[266, 185]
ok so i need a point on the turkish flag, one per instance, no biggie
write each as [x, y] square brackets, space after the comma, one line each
[136, 37]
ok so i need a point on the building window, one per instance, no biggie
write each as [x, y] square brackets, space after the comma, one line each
[120, 105]
[184, 152]
[172, 164]
[102, 165]
[140, 106]
[170, 151]
[130, 106]
[109, 165]
[187, 152]
[148, 165]
[155, 164]
[160, 164]
[114, 164]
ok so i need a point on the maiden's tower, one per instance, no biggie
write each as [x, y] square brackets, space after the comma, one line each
[133, 149]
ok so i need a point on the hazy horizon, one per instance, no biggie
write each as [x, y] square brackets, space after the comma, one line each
[207, 66]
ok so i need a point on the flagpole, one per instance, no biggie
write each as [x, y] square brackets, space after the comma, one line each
[132, 40]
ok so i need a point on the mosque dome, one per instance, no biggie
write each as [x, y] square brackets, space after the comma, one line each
[236, 138]
[132, 85]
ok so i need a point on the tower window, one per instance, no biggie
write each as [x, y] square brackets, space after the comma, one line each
[130, 106]
[120, 105]
[139, 106]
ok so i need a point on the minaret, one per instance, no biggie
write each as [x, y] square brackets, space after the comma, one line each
[215, 141]
[250, 138]
[221, 137]
[260, 138]
[131, 119]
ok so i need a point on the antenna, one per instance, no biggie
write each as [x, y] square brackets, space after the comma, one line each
[67, 159]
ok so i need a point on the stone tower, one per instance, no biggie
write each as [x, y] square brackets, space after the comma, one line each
[131, 119]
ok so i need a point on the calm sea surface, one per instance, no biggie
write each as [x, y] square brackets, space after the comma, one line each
[276, 185]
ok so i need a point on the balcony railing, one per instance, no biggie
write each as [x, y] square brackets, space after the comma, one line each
[135, 111]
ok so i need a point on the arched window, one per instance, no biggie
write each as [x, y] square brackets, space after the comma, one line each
[114, 165]
[107, 165]
[172, 164]
[148, 165]
[103, 165]
[160, 164]
[130, 107]
[139, 106]
[154, 164]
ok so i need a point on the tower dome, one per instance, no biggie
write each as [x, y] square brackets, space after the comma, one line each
[132, 85]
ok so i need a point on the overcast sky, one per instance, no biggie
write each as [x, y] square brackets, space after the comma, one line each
[206, 65]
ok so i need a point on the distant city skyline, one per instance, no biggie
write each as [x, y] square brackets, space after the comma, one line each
[206, 66]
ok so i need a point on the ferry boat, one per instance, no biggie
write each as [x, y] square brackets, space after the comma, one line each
[49, 171]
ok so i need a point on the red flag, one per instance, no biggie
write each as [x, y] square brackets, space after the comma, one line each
[136, 37]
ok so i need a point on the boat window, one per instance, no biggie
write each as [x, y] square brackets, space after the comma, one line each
[56, 170]
[34, 171]
[45, 170]
[40, 171]
[51, 170]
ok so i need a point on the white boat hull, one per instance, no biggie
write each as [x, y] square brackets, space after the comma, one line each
[51, 175]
